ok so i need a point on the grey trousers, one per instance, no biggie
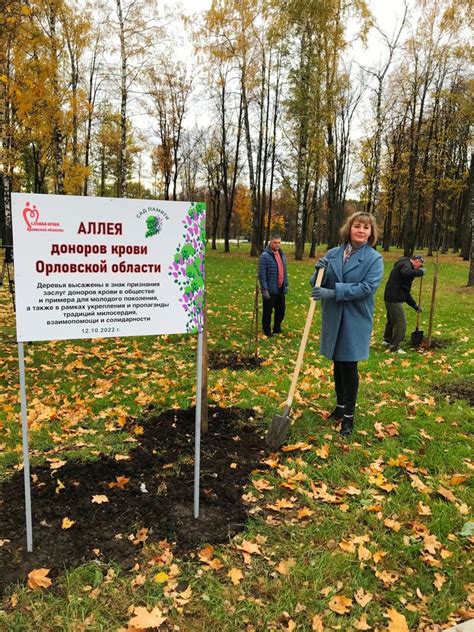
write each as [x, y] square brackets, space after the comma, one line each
[396, 326]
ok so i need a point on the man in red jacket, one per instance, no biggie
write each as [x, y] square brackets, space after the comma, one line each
[397, 292]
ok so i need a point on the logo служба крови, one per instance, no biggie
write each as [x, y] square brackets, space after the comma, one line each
[31, 216]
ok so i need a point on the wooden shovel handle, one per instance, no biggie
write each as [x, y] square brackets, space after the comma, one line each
[307, 327]
[419, 304]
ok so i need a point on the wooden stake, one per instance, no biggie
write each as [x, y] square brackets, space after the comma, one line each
[433, 300]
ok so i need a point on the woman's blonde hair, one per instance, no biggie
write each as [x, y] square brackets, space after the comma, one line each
[345, 231]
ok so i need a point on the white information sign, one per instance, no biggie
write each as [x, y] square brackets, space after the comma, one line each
[90, 267]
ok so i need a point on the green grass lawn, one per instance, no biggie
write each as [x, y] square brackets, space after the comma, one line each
[368, 533]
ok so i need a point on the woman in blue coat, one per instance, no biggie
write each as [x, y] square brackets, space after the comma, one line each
[353, 273]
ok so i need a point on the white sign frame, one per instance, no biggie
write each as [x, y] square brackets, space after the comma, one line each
[88, 267]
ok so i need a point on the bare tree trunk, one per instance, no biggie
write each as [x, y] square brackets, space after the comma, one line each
[122, 166]
[467, 249]
[91, 97]
[74, 61]
[334, 210]
[102, 171]
[256, 245]
[273, 147]
[216, 208]
[315, 208]
[229, 195]
[265, 155]
[6, 142]
[57, 135]
[470, 281]
[372, 205]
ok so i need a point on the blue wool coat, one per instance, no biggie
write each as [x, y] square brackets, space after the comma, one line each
[347, 321]
[268, 271]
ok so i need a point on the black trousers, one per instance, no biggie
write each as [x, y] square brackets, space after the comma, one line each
[346, 381]
[276, 303]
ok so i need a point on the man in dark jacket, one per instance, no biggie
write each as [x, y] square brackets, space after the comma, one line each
[397, 292]
[273, 277]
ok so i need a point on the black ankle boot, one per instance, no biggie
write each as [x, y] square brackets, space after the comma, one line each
[347, 425]
[337, 414]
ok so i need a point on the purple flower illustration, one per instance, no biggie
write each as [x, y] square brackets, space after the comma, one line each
[188, 268]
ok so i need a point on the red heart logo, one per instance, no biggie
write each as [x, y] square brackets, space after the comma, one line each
[30, 215]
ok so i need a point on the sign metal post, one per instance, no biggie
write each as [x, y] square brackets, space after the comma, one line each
[197, 433]
[26, 452]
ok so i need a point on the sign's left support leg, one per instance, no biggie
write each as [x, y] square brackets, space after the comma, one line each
[26, 452]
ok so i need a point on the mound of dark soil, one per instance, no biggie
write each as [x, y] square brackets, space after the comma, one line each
[436, 343]
[462, 389]
[234, 361]
[158, 496]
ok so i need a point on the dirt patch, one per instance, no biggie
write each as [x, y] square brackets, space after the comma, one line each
[234, 361]
[436, 343]
[462, 389]
[158, 496]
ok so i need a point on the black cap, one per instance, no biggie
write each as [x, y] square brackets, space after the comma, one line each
[419, 258]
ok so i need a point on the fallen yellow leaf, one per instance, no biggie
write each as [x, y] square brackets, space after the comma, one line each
[347, 547]
[423, 509]
[141, 536]
[340, 604]
[392, 524]
[144, 618]
[457, 479]
[161, 577]
[59, 487]
[139, 580]
[398, 623]
[431, 543]
[378, 555]
[55, 464]
[215, 564]
[99, 499]
[37, 578]
[303, 446]
[206, 553]
[362, 597]
[363, 553]
[285, 566]
[446, 493]
[280, 504]
[120, 482]
[362, 624]
[261, 484]
[388, 577]
[306, 512]
[67, 523]
[249, 547]
[317, 623]
[440, 579]
[418, 484]
[323, 451]
[236, 576]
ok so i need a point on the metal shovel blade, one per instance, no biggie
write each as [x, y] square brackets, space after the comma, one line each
[278, 431]
[416, 337]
